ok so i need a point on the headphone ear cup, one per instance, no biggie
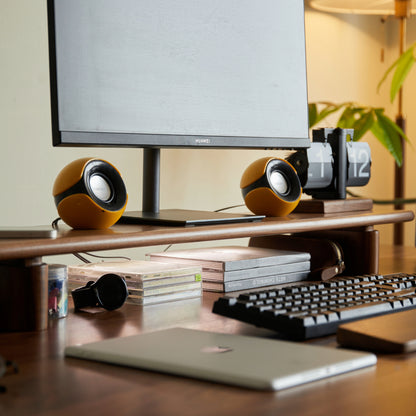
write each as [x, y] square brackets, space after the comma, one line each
[271, 187]
[89, 193]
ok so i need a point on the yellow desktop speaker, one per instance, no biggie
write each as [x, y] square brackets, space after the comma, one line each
[271, 187]
[90, 194]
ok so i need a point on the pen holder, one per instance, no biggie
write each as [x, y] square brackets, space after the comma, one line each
[57, 291]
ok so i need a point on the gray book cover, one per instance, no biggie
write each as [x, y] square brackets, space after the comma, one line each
[232, 275]
[257, 282]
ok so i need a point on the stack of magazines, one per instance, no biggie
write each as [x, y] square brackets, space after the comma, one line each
[147, 282]
[234, 268]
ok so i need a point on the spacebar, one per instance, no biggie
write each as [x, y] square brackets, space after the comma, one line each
[358, 311]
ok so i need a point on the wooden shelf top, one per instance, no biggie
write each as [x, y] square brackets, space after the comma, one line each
[128, 236]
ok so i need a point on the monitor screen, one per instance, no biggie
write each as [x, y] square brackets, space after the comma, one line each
[178, 73]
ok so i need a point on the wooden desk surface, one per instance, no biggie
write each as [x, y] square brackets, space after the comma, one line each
[48, 384]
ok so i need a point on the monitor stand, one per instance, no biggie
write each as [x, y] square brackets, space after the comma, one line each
[151, 214]
[182, 217]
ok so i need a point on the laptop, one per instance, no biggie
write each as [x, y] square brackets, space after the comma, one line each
[246, 361]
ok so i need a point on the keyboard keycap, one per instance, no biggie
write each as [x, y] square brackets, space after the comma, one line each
[363, 310]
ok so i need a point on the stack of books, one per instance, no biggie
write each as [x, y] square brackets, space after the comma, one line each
[233, 268]
[147, 282]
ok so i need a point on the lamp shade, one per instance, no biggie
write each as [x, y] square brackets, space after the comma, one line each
[377, 7]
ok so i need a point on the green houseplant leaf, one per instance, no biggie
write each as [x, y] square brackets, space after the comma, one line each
[363, 119]
[315, 116]
[401, 68]
[348, 117]
[363, 125]
[389, 135]
[404, 65]
[313, 113]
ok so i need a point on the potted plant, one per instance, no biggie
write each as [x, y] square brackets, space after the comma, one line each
[364, 118]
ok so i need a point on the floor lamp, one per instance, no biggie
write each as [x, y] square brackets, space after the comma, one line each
[401, 9]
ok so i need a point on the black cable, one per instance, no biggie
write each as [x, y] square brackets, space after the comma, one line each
[82, 258]
[106, 257]
[55, 223]
[230, 207]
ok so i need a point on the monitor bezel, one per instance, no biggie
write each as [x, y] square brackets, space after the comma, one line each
[143, 140]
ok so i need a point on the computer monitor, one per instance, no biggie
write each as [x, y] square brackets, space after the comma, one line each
[178, 74]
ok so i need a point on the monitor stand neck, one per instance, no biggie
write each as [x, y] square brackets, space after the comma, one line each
[151, 214]
[151, 180]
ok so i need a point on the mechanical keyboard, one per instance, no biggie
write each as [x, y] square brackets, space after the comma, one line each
[314, 309]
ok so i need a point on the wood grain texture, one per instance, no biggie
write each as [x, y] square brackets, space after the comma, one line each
[48, 384]
[23, 295]
[32, 315]
[128, 236]
[326, 206]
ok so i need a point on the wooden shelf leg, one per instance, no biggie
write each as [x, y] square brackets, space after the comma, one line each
[23, 295]
[360, 247]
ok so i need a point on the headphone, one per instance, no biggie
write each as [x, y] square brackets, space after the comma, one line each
[109, 292]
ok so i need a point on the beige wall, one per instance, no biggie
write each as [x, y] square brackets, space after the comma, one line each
[343, 64]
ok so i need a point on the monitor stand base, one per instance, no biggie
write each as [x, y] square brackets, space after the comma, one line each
[182, 217]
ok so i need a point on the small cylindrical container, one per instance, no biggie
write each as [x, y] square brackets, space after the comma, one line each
[57, 291]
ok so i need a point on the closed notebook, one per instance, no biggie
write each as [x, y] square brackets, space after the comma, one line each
[251, 362]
